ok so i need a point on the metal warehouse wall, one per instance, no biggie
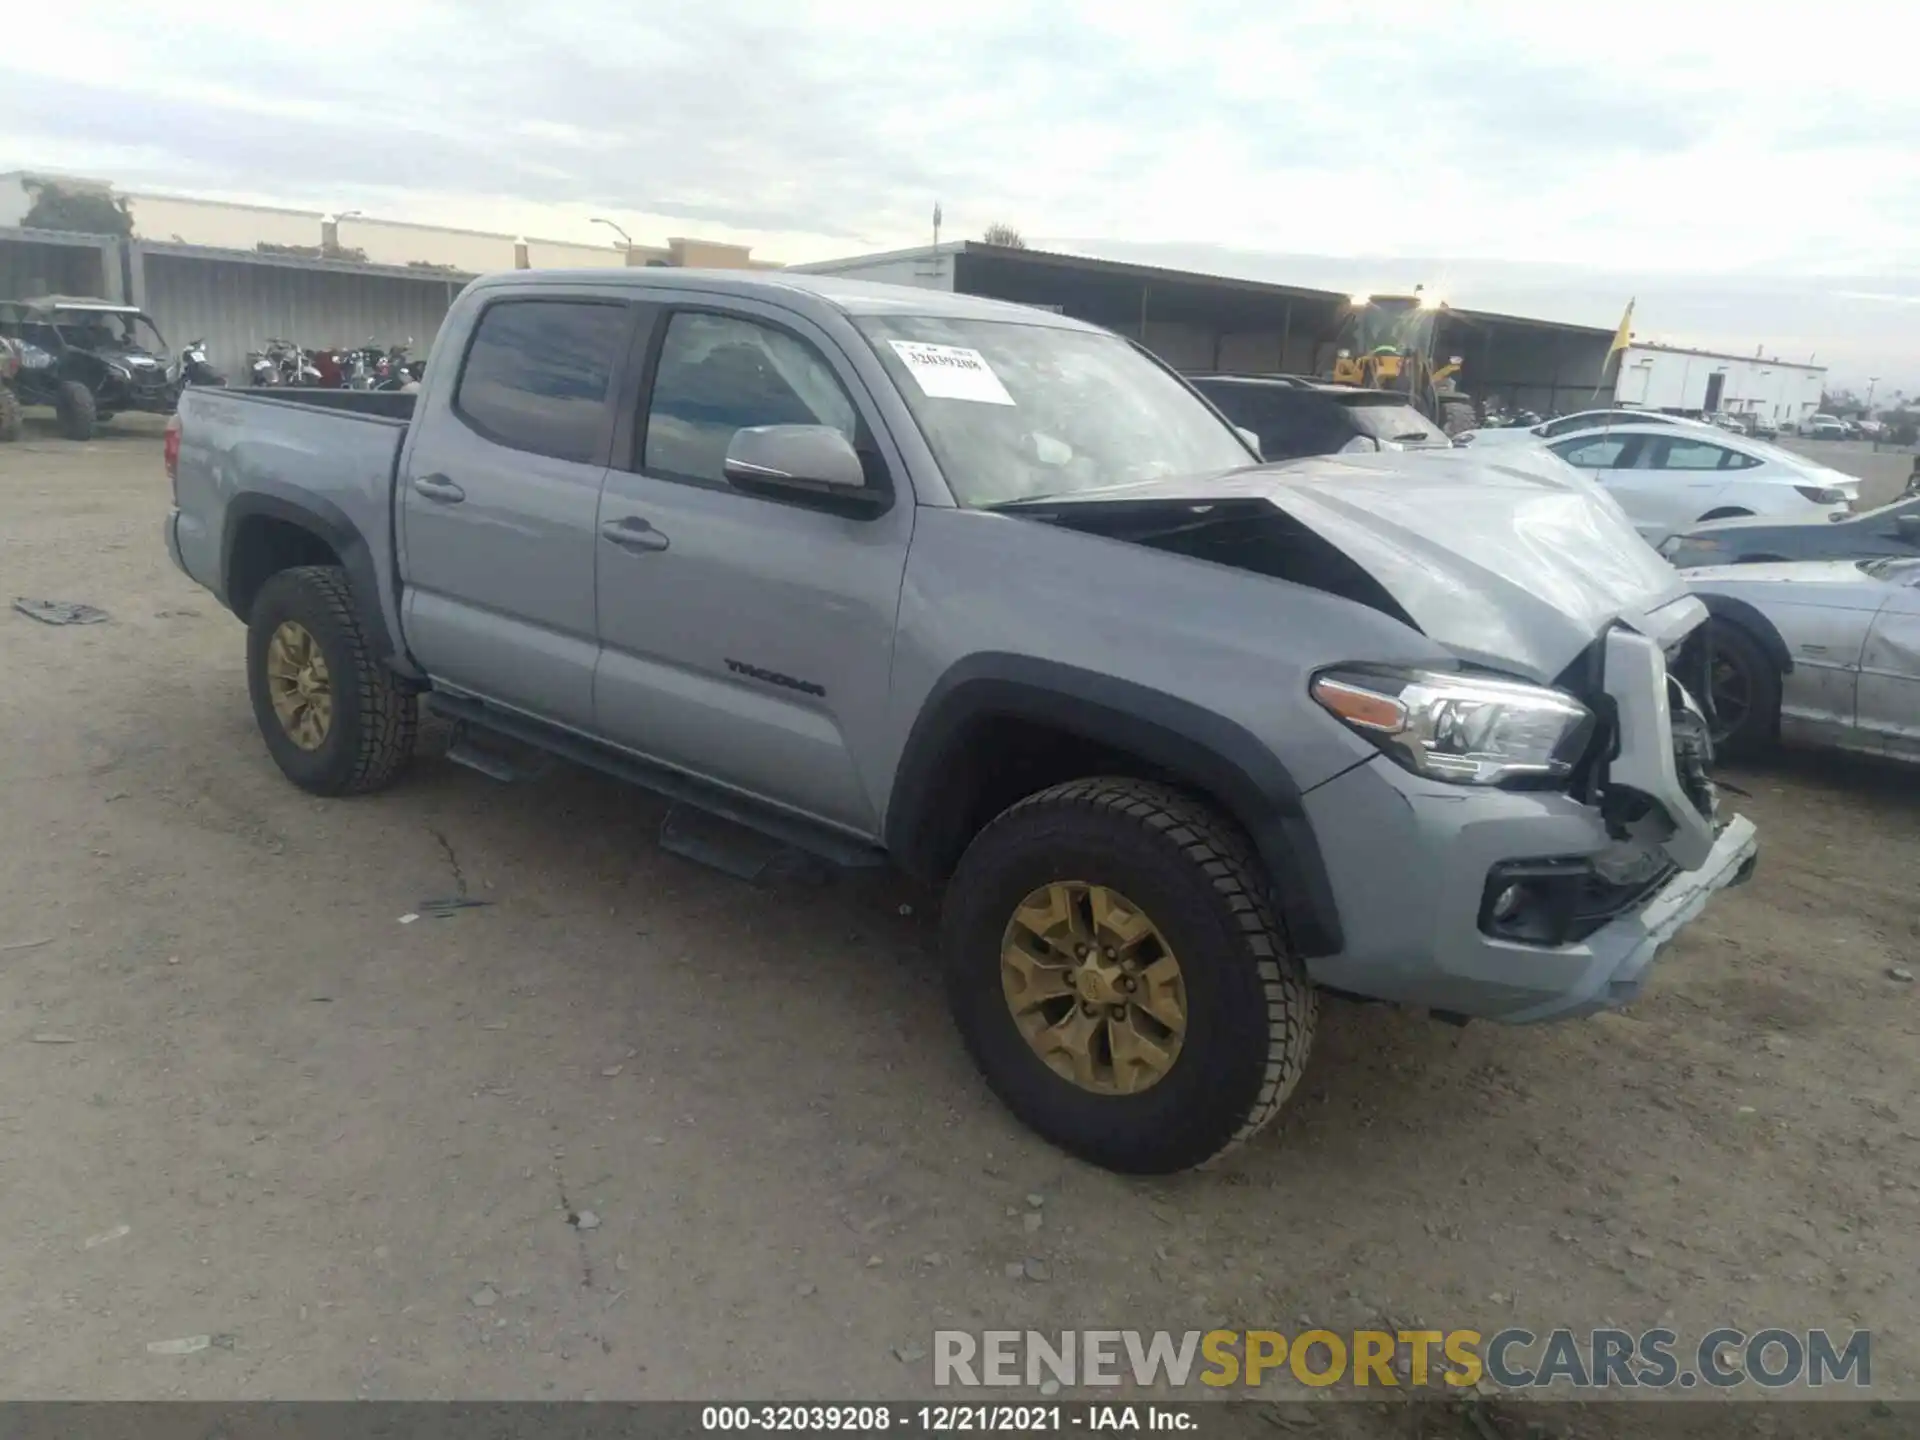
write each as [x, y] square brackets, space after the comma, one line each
[1678, 379]
[1545, 368]
[237, 305]
[29, 268]
[923, 268]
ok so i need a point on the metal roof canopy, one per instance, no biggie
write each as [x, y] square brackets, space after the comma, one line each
[1002, 264]
[90, 304]
[77, 238]
[1124, 296]
[423, 273]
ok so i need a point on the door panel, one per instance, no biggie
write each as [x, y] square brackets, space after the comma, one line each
[500, 502]
[1609, 460]
[1674, 480]
[1820, 695]
[753, 645]
[1890, 674]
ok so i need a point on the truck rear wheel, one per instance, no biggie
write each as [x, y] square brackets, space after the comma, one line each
[1119, 979]
[78, 416]
[335, 721]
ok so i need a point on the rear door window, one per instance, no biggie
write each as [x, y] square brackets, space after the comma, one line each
[1685, 453]
[538, 374]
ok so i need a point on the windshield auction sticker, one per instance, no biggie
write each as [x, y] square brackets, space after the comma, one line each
[951, 372]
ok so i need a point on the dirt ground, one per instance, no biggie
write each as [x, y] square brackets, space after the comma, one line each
[239, 1098]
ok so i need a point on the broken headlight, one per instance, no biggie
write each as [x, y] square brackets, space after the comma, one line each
[1467, 729]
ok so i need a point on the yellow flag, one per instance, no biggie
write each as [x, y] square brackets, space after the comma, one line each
[1623, 336]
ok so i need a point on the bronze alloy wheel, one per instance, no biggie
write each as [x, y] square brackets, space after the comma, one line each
[300, 687]
[1094, 987]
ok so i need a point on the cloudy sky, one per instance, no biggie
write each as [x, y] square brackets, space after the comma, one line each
[1682, 150]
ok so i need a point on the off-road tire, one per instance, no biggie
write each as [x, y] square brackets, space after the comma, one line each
[1758, 729]
[78, 414]
[1456, 416]
[1251, 1008]
[375, 719]
[11, 421]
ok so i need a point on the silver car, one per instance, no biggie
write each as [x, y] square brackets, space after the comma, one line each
[1819, 652]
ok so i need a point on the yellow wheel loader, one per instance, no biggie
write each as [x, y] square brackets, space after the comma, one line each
[1386, 343]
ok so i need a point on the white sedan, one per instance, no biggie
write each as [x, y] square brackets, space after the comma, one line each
[1669, 478]
[1506, 436]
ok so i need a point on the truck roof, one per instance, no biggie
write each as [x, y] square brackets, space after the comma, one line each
[852, 297]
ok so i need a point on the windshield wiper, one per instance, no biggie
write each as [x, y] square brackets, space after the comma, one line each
[1020, 500]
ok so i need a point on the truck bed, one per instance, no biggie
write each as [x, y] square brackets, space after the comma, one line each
[368, 404]
[240, 449]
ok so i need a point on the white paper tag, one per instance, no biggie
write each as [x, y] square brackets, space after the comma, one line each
[951, 372]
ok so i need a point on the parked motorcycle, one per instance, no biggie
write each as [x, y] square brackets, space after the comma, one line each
[392, 368]
[195, 369]
[363, 370]
[329, 368]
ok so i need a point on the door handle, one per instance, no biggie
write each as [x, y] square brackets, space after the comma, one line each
[439, 487]
[633, 533]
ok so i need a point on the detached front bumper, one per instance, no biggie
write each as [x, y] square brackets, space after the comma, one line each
[1624, 949]
[1410, 861]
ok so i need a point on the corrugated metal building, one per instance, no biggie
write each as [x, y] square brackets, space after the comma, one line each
[54, 262]
[1703, 382]
[237, 300]
[1198, 322]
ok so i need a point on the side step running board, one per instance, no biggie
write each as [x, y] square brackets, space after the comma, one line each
[480, 728]
[498, 760]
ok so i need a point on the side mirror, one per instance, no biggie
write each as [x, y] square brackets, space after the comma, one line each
[1907, 527]
[1253, 440]
[816, 461]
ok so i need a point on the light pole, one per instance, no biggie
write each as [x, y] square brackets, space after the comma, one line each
[625, 238]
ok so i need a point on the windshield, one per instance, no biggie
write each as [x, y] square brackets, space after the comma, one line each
[1401, 325]
[1399, 423]
[1013, 411]
[89, 330]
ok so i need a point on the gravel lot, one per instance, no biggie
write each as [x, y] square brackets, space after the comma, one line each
[238, 1098]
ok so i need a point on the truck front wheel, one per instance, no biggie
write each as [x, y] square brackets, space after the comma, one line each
[335, 721]
[1118, 977]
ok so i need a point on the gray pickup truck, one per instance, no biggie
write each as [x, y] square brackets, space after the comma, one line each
[993, 596]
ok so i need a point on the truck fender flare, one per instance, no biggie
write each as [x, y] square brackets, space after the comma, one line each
[1190, 744]
[325, 521]
[1735, 611]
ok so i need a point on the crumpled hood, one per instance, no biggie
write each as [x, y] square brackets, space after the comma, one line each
[1517, 567]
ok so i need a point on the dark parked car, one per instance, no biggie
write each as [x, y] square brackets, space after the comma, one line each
[1890, 530]
[89, 359]
[1296, 417]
